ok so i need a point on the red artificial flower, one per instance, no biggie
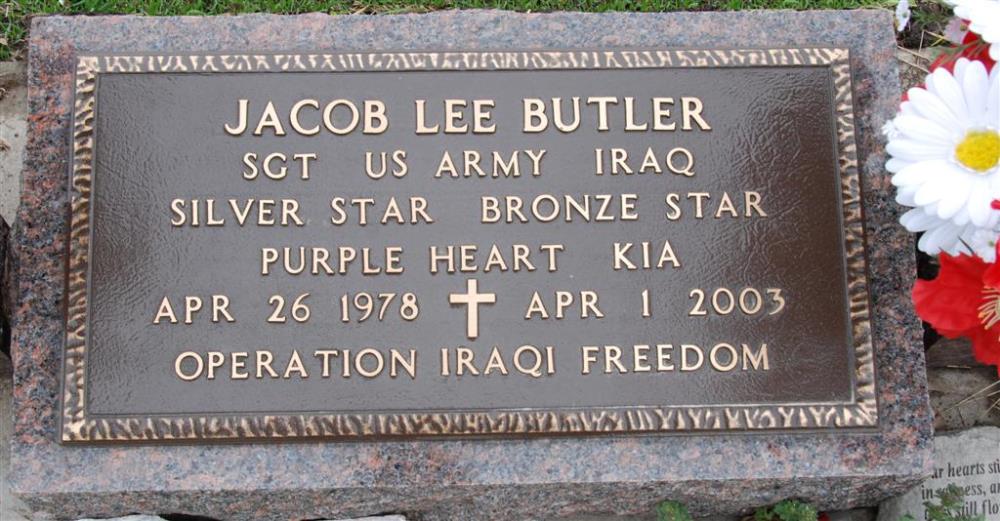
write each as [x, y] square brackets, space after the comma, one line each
[964, 301]
[973, 47]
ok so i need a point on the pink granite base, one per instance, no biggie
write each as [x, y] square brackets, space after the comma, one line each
[458, 479]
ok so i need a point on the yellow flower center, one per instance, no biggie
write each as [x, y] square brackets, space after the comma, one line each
[980, 150]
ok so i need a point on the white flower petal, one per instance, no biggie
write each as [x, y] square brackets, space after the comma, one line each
[983, 16]
[915, 151]
[932, 107]
[921, 129]
[896, 165]
[950, 92]
[904, 195]
[984, 20]
[942, 238]
[951, 240]
[993, 99]
[984, 243]
[917, 220]
[979, 207]
[955, 31]
[916, 173]
[959, 68]
[955, 198]
[962, 217]
[975, 84]
[934, 190]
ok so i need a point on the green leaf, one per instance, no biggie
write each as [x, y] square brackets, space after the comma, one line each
[672, 511]
[795, 510]
[951, 501]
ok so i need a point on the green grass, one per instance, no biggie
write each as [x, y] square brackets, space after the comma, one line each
[16, 13]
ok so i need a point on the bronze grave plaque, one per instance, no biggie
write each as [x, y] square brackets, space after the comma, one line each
[369, 245]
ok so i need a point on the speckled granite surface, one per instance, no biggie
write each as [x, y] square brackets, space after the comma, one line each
[449, 480]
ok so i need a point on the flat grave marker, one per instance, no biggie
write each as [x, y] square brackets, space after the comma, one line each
[322, 267]
[457, 243]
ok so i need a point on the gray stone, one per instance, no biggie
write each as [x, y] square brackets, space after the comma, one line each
[962, 397]
[913, 66]
[13, 135]
[651, 516]
[960, 387]
[969, 459]
[376, 518]
[856, 514]
[127, 518]
[158, 518]
[949, 353]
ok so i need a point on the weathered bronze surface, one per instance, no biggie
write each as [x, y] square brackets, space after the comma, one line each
[177, 331]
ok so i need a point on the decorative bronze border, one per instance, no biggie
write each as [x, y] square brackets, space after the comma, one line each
[861, 412]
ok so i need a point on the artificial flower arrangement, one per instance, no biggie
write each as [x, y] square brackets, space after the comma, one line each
[944, 148]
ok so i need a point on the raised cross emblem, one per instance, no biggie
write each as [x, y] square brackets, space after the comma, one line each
[472, 298]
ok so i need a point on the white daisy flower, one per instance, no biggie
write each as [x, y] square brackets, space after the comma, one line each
[956, 30]
[945, 156]
[984, 20]
[902, 15]
[984, 243]
[939, 235]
